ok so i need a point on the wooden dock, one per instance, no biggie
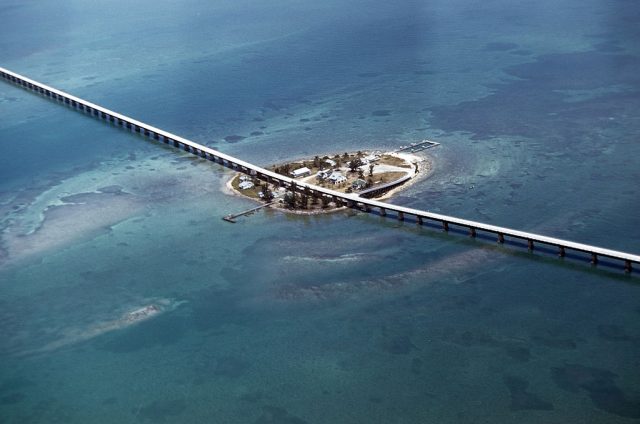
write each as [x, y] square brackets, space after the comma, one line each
[418, 147]
[232, 217]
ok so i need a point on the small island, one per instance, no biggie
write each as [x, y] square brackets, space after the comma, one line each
[369, 174]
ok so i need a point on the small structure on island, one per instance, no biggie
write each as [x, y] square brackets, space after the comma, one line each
[330, 162]
[246, 185]
[337, 178]
[301, 172]
[370, 158]
[324, 174]
[359, 184]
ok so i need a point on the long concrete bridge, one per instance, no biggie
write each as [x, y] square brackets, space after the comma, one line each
[592, 254]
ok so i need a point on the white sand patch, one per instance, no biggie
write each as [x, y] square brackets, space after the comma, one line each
[91, 202]
[146, 310]
[345, 258]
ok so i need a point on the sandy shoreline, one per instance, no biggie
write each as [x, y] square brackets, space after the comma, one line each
[425, 169]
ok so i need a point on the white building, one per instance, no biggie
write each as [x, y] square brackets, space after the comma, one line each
[323, 175]
[245, 185]
[337, 178]
[301, 172]
[330, 162]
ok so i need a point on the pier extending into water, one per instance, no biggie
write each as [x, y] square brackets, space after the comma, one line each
[232, 217]
[592, 254]
[418, 147]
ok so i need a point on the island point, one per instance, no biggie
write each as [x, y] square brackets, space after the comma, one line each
[369, 174]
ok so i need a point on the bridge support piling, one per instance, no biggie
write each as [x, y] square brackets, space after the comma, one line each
[500, 238]
[530, 244]
[420, 221]
[445, 225]
[383, 212]
[472, 232]
[400, 216]
[594, 259]
[627, 266]
[561, 251]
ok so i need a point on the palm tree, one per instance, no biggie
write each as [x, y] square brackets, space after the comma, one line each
[290, 199]
[267, 195]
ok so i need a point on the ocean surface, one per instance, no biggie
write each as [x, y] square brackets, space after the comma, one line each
[341, 318]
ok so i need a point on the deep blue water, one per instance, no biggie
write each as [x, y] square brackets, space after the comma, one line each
[344, 318]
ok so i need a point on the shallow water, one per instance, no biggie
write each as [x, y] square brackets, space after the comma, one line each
[338, 318]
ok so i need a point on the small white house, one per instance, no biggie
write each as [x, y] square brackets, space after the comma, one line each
[337, 178]
[301, 172]
[370, 158]
[330, 162]
[246, 185]
[323, 175]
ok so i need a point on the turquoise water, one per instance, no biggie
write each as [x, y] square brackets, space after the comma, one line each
[344, 318]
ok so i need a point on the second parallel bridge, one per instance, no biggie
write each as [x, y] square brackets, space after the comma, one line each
[351, 200]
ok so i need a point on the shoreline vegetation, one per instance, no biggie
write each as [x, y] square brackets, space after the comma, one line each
[372, 174]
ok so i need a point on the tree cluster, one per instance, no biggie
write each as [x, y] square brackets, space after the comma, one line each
[355, 164]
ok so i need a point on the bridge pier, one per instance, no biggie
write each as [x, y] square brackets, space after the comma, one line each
[500, 238]
[594, 259]
[445, 225]
[530, 244]
[420, 221]
[561, 251]
[400, 216]
[472, 232]
[627, 266]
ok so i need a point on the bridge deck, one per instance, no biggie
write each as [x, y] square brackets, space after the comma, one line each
[350, 199]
